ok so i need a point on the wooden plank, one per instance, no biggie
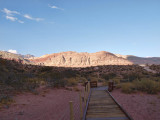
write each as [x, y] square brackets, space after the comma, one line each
[101, 105]
[109, 118]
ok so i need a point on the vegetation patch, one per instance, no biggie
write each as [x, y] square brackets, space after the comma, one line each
[144, 85]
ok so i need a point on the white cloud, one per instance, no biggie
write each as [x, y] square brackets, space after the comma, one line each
[12, 51]
[31, 18]
[11, 18]
[55, 7]
[20, 21]
[10, 15]
[28, 16]
[9, 12]
[38, 19]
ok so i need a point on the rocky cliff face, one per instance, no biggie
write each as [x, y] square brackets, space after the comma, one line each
[74, 59]
[84, 59]
[16, 57]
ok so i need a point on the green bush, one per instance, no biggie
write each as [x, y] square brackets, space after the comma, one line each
[116, 80]
[81, 79]
[147, 85]
[128, 88]
[6, 99]
[71, 82]
[144, 85]
[56, 82]
[118, 86]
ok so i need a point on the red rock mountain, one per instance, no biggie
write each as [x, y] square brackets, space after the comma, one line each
[16, 57]
[84, 59]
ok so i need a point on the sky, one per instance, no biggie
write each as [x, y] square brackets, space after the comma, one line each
[38, 27]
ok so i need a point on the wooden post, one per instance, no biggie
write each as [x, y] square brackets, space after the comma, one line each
[71, 110]
[80, 99]
[85, 98]
[88, 87]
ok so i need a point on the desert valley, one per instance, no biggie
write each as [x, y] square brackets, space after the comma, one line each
[41, 87]
[79, 60]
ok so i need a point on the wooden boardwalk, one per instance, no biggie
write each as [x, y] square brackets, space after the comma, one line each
[102, 107]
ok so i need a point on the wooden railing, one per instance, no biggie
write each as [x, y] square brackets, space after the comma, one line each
[93, 84]
[84, 96]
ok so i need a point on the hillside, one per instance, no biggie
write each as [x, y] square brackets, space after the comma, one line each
[82, 59]
[16, 57]
[74, 59]
[140, 60]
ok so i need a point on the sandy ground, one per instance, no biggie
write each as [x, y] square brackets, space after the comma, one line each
[51, 104]
[140, 106]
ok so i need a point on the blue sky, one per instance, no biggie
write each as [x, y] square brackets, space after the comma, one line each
[41, 27]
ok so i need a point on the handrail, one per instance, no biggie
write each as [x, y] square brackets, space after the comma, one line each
[124, 111]
[85, 111]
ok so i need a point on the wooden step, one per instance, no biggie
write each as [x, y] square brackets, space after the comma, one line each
[102, 106]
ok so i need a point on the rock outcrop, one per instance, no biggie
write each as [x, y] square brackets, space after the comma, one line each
[16, 57]
[83, 59]
[74, 59]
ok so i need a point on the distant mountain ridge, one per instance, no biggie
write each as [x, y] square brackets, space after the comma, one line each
[16, 57]
[82, 59]
[27, 56]
[140, 60]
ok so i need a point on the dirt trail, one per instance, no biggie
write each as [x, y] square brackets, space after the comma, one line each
[53, 105]
[148, 69]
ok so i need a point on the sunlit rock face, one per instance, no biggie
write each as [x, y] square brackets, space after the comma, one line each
[84, 59]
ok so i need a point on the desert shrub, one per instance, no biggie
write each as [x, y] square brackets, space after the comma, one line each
[144, 85]
[156, 79]
[56, 82]
[6, 94]
[71, 82]
[116, 80]
[42, 82]
[46, 69]
[93, 78]
[69, 73]
[100, 80]
[147, 85]
[108, 76]
[105, 83]
[131, 76]
[118, 86]
[128, 88]
[81, 79]
[6, 99]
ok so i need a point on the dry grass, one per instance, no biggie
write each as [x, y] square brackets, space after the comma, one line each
[144, 85]
[128, 88]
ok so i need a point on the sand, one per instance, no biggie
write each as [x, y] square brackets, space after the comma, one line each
[51, 104]
[140, 106]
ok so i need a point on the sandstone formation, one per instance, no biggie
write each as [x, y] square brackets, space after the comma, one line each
[83, 59]
[74, 59]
